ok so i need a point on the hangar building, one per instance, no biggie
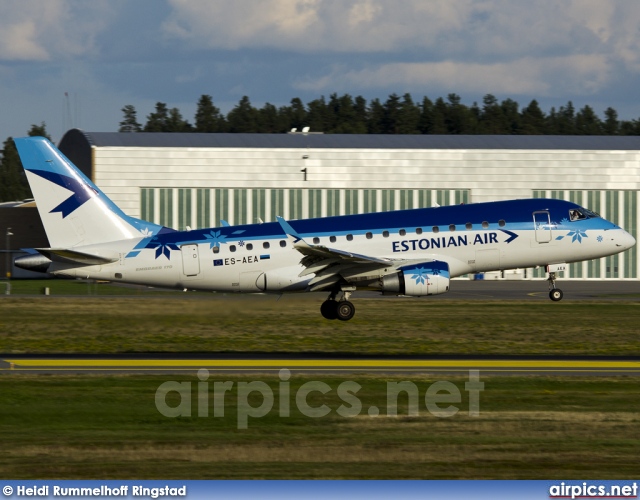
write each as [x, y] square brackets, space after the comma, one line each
[197, 180]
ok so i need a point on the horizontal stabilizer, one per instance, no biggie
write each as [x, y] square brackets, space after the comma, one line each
[66, 256]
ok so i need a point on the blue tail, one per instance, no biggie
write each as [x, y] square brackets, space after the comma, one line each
[74, 211]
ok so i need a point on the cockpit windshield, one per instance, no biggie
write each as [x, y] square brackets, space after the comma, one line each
[581, 214]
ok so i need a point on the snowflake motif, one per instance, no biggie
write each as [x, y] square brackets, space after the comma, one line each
[215, 238]
[162, 248]
[146, 232]
[241, 243]
[420, 275]
[600, 239]
[564, 220]
[576, 235]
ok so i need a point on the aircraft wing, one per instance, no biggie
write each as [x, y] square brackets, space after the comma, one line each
[330, 265]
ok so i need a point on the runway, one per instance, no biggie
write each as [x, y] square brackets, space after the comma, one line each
[251, 364]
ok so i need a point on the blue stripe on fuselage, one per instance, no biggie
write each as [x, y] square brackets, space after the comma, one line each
[518, 215]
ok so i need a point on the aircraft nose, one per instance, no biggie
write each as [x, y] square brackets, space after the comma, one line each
[625, 241]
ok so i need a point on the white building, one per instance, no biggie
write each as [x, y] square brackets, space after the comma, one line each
[196, 180]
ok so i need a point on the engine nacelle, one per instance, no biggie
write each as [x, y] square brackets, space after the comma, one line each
[427, 278]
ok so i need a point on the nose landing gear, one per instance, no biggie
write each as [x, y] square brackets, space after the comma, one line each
[555, 294]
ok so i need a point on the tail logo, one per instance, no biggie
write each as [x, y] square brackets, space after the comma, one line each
[81, 192]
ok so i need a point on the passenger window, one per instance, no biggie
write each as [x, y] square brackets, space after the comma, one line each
[501, 223]
[249, 246]
[349, 237]
[369, 236]
[402, 232]
[418, 230]
[332, 239]
[385, 234]
[316, 240]
[232, 248]
[266, 244]
[468, 225]
[452, 227]
[283, 243]
[435, 229]
[485, 224]
[216, 249]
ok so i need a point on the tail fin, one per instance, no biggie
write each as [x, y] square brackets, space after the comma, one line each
[73, 210]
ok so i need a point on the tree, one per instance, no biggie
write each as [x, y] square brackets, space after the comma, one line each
[295, 115]
[243, 118]
[39, 131]
[611, 124]
[492, 119]
[408, 116]
[345, 119]
[208, 116]
[269, 120]
[130, 120]
[175, 122]
[319, 115]
[157, 122]
[532, 119]
[376, 117]
[587, 122]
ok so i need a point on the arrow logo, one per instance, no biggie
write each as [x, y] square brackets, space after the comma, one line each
[81, 192]
[512, 235]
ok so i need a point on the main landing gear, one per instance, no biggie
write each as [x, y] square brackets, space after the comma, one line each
[340, 309]
[555, 294]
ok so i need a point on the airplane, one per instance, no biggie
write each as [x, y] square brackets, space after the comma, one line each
[412, 252]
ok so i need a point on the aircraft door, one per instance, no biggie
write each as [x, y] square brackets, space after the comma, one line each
[190, 260]
[542, 226]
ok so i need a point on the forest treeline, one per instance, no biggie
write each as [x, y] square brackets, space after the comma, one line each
[397, 115]
[351, 115]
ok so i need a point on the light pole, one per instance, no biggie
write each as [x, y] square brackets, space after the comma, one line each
[9, 234]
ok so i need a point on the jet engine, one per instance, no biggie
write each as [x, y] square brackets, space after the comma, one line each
[425, 278]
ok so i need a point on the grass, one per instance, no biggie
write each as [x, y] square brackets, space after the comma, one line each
[528, 428]
[225, 323]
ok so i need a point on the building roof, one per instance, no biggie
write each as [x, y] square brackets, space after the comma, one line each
[353, 141]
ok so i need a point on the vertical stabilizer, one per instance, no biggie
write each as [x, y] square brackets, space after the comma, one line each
[74, 211]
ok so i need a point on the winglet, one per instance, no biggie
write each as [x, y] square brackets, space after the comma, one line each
[288, 230]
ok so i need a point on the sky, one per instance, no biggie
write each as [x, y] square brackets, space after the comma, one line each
[76, 63]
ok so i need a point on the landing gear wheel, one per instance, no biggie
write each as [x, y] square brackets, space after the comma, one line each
[329, 309]
[556, 294]
[345, 310]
